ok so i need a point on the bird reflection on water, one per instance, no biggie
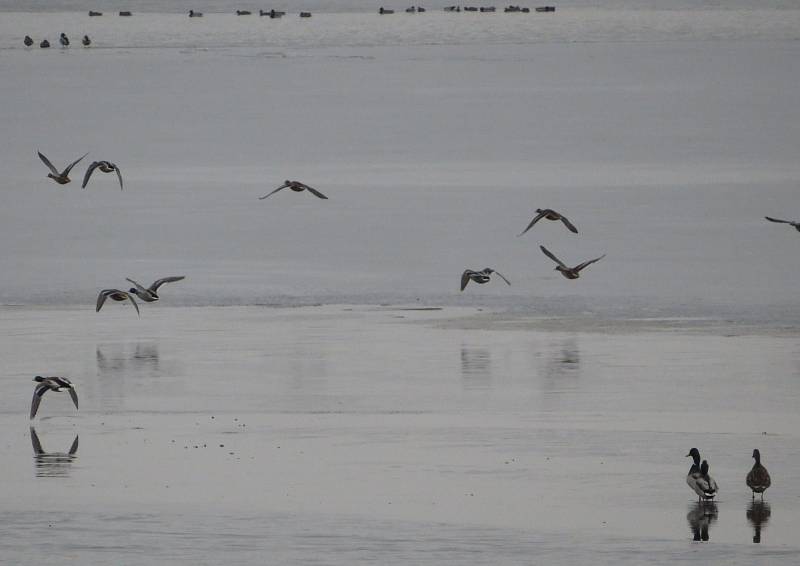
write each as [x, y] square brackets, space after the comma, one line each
[114, 358]
[476, 367]
[701, 516]
[758, 513]
[52, 464]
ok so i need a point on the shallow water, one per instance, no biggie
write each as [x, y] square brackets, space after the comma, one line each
[340, 434]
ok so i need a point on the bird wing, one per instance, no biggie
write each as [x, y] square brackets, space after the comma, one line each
[119, 176]
[156, 284]
[73, 164]
[767, 217]
[569, 224]
[47, 162]
[465, 278]
[74, 448]
[534, 221]
[273, 192]
[549, 254]
[139, 287]
[588, 263]
[315, 192]
[131, 299]
[40, 390]
[89, 172]
[502, 277]
[74, 395]
[101, 298]
[37, 446]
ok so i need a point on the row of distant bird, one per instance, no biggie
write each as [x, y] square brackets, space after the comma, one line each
[63, 40]
[701, 482]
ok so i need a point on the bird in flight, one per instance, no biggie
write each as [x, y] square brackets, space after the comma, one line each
[296, 186]
[569, 272]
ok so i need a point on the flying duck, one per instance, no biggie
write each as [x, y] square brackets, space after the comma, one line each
[569, 272]
[114, 295]
[795, 225]
[28, 41]
[51, 384]
[86, 41]
[64, 40]
[480, 277]
[758, 478]
[150, 294]
[698, 479]
[63, 177]
[296, 186]
[550, 214]
[105, 167]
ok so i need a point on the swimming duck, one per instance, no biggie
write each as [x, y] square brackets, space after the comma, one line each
[86, 41]
[115, 295]
[795, 225]
[305, 14]
[150, 294]
[64, 40]
[51, 384]
[758, 478]
[193, 14]
[296, 186]
[480, 277]
[383, 10]
[125, 13]
[92, 13]
[44, 44]
[569, 272]
[698, 479]
[550, 214]
[27, 41]
[105, 167]
[63, 177]
[243, 12]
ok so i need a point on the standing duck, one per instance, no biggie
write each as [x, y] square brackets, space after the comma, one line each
[86, 41]
[480, 277]
[758, 478]
[550, 214]
[698, 479]
[297, 187]
[115, 295]
[105, 167]
[27, 41]
[51, 384]
[569, 272]
[64, 40]
[61, 178]
[150, 294]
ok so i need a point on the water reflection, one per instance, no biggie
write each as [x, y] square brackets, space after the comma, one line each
[701, 516]
[758, 513]
[52, 464]
[565, 361]
[114, 358]
[476, 367]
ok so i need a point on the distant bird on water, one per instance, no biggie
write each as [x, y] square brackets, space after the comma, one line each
[115, 295]
[569, 272]
[150, 294]
[64, 40]
[698, 479]
[44, 44]
[105, 167]
[758, 478]
[795, 225]
[296, 186]
[27, 41]
[51, 384]
[193, 14]
[63, 177]
[86, 41]
[480, 277]
[550, 214]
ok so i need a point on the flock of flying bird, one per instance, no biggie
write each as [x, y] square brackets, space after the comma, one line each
[698, 478]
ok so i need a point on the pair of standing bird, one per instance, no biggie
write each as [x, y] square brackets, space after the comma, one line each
[62, 177]
[147, 294]
[701, 482]
[483, 276]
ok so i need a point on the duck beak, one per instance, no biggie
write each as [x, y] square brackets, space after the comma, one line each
[689, 454]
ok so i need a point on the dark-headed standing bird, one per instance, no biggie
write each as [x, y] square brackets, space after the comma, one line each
[758, 478]
[105, 167]
[63, 177]
[150, 294]
[115, 295]
[569, 272]
[549, 214]
[480, 277]
[51, 384]
[86, 41]
[297, 187]
[795, 225]
[698, 479]
[64, 40]
[27, 41]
